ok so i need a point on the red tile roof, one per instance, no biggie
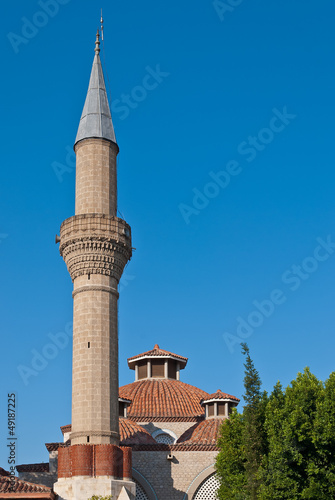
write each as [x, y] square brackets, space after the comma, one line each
[163, 399]
[205, 432]
[23, 489]
[130, 434]
[42, 467]
[133, 434]
[220, 395]
[157, 352]
[51, 446]
[166, 419]
[175, 447]
[65, 428]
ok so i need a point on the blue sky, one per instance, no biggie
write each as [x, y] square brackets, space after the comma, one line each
[226, 175]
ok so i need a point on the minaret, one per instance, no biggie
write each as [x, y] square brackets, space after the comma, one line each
[96, 245]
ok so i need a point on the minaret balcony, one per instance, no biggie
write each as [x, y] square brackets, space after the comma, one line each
[95, 244]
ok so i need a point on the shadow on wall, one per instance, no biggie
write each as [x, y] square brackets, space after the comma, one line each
[165, 489]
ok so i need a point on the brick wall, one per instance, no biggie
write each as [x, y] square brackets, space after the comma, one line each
[170, 479]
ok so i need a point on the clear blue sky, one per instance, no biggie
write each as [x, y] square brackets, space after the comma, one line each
[250, 96]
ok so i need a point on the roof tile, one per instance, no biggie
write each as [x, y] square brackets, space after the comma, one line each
[156, 351]
[160, 399]
[220, 395]
[19, 486]
[205, 432]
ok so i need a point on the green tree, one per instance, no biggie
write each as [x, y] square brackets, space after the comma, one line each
[230, 460]
[282, 447]
[322, 467]
[254, 438]
[242, 441]
[288, 472]
[99, 497]
[270, 472]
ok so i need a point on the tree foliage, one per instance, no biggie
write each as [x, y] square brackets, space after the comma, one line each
[231, 463]
[283, 446]
[254, 440]
[99, 497]
[287, 468]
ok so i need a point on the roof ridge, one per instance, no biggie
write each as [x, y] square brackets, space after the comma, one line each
[157, 350]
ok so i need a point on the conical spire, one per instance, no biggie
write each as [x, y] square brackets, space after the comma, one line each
[96, 120]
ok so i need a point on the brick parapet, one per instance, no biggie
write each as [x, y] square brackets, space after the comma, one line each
[95, 460]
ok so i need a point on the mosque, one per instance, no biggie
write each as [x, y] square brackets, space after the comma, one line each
[153, 439]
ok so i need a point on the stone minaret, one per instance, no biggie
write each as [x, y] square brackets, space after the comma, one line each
[96, 245]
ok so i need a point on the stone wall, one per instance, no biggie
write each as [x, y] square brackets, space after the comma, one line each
[46, 478]
[175, 476]
[178, 428]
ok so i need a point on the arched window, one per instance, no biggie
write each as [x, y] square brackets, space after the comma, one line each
[144, 490]
[207, 489]
[164, 436]
[140, 493]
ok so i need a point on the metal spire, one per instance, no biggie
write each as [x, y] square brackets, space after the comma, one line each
[96, 120]
[97, 43]
[102, 27]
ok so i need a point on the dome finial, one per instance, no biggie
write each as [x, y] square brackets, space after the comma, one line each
[97, 43]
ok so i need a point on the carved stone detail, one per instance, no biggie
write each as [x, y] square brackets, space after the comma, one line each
[74, 435]
[96, 288]
[95, 244]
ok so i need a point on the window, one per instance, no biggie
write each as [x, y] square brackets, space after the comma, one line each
[157, 368]
[172, 371]
[210, 409]
[164, 438]
[142, 369]
[221, 409]
[207, 489]
[140, 493]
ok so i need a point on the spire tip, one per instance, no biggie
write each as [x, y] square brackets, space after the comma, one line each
[97, 43]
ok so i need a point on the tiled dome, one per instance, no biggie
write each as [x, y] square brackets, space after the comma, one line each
[205, 432]
[161, 399]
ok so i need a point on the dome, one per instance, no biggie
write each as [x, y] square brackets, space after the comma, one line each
[205, 432]
[163, 399]
[133, 434]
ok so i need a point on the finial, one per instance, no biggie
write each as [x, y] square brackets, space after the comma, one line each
[102, 27]
[97, 44]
